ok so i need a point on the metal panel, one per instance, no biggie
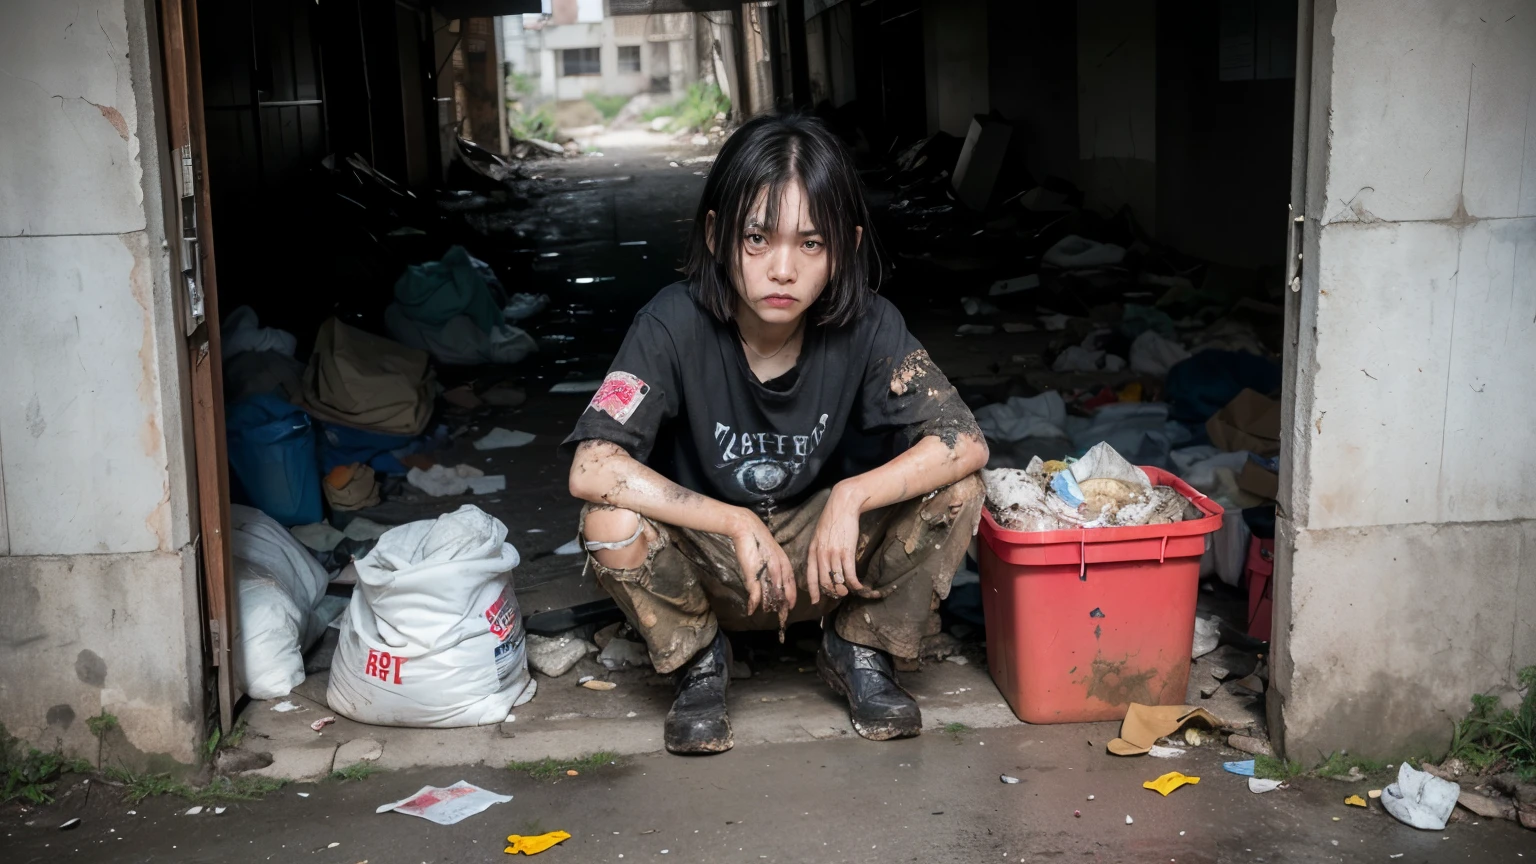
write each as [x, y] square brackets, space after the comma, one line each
[657, 7]
[452, 9]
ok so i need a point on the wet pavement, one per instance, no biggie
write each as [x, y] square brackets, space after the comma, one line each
[933, 799]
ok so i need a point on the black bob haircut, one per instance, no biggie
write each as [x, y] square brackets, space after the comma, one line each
[768, 153]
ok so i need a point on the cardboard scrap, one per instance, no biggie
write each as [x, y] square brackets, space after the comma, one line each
[1251, 421]
[1169, 782]
[1355, 801]
[1144, 724]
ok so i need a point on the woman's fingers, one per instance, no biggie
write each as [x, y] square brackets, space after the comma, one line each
[813, 577]
[787, 575]
[848, 565]
[754, 581]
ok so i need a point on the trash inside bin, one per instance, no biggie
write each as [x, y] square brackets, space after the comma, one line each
[1082, 622]
[272, 459]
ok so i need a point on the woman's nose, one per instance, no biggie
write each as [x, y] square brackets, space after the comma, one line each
[781, 265]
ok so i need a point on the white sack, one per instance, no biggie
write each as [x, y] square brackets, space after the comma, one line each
[434, 637]
[1420, 799]
[268, 629]
[460, 341]
[278, 586]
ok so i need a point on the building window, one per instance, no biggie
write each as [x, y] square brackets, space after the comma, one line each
[581, 61]
[629, 58]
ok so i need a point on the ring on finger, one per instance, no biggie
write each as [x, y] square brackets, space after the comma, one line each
[837, 577]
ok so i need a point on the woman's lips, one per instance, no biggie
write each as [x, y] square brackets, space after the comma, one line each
[779, 301]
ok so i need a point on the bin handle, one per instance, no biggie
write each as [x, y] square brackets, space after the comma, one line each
[1163, 553]
[1082, 556]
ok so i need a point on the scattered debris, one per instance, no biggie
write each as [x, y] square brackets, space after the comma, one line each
[1129, 820]
[499, 438]
[1259, 785]
[571, 548]
[534, 844]
[1009, 780]
[75, 822]
[446, 805]
[1420, 799]
[1355, 801]
[1160, 752]
[322, 723]
[599, 685]
[1242, 769]
[1144, 724]
[1248, 744]
[285, 706]
[555, 655]
[1169, 782]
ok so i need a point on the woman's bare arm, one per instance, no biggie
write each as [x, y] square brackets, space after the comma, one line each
[929, 464]
[603, 473]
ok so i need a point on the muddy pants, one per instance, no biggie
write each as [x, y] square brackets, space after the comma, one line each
[690, 583]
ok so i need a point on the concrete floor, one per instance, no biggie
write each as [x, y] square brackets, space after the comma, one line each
[935, 799]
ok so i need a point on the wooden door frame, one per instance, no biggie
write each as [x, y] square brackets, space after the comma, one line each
[185, 127]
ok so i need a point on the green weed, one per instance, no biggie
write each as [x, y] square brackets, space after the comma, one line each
[1491, 736]
[355, 771]
[32, 775]
[698, 109]
[99, 726]
[536, 123]
[550, 769]
[1341, 764]
[137, 787]
[608, 106]
[1271, 768]
[956, 731]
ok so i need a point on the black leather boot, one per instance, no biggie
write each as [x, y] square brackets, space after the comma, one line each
[698, 722]
[879, 708]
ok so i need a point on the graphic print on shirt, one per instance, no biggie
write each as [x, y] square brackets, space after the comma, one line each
[765, 462]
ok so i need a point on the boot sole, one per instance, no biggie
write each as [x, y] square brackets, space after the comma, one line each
[880, 731]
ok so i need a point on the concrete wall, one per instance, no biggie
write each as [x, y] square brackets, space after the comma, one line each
[98, 578]
[955, 61]
[1407, 563]
[1117, 106]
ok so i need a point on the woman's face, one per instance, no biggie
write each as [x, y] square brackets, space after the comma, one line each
[782, 271]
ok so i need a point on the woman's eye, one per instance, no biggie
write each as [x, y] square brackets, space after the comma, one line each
[756, 239]
[811, 245]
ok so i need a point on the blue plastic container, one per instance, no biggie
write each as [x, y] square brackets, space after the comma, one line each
[273, 462]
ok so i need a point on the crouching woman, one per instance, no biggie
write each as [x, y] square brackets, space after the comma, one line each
[772, 445]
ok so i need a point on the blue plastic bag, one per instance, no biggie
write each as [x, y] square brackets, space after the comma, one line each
[274, 465]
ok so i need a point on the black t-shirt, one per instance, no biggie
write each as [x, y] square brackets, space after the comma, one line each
[681, 398]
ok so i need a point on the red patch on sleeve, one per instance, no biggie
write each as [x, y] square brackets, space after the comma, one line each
[620, 395]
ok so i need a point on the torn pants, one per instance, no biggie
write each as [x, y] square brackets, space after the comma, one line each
[690, 584]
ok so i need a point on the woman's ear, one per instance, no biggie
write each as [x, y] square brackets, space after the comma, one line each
[858, 235]
[709, 231]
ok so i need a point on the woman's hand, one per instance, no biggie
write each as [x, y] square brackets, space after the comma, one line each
[830, 565]
[765, 569]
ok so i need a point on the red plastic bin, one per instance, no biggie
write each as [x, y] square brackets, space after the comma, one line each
[1083, 622]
